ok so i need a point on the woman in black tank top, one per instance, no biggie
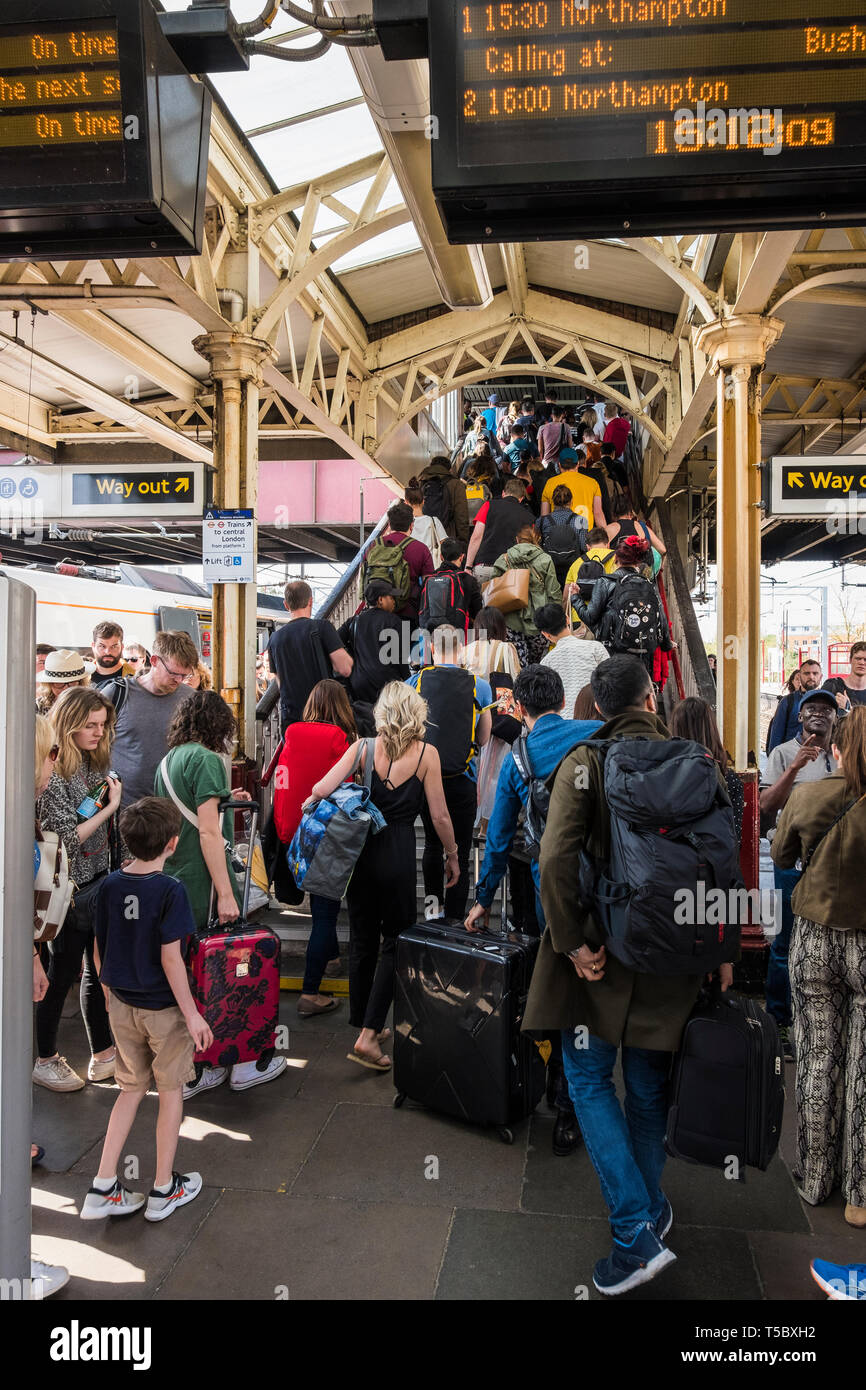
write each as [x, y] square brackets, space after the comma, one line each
[382, 894]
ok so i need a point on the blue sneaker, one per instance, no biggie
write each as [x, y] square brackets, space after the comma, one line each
[840, 1282]
[665, 1221]
[629, 1265]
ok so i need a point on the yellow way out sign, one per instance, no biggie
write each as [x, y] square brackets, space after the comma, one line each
[133, 490]
[817, 486]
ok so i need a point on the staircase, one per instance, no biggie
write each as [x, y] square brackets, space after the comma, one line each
[293, 925]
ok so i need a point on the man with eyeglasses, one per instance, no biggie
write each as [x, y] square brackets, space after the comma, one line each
[107, 648]
[145, 706]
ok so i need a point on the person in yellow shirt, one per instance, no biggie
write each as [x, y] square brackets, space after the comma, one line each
[585, 495]
[597, 549]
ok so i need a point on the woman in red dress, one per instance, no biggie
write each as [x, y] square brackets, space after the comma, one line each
[311, 749]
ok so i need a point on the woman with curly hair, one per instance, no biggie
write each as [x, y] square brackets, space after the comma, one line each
[193, 774]
[382, 891]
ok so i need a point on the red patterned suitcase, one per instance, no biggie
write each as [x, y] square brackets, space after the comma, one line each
[236, 979]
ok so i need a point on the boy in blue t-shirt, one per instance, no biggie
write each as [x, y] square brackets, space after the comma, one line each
[143, 918]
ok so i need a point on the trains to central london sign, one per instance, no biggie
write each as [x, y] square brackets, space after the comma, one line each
[623, 117]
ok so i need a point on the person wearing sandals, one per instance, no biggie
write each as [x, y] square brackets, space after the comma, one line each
[194, 776]
[310, 750]
[83, 724]
[382, 892]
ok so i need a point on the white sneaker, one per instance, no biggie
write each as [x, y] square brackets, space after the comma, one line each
[210, 1077]
[116, 1201]
[246, 1074]
[57, 1075]
[185, 1187]
[100, 1071]
[46, 1279]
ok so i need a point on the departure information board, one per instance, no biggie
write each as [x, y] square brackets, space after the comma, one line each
[103, 133]
[663, 114]
[60, 86]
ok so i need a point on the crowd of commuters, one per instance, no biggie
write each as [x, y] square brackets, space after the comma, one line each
[509, 616]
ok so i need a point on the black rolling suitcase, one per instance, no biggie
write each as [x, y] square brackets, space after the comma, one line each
[727, 1090]
[458, 1005]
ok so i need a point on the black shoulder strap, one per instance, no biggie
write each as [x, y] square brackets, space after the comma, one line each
[810, 853]
[521, 757]
[119, 693]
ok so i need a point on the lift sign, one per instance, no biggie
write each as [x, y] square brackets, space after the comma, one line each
[155, 488]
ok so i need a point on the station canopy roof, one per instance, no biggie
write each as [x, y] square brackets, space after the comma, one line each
[295, 123]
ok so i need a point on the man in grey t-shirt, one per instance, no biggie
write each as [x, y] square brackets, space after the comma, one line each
[147, 706]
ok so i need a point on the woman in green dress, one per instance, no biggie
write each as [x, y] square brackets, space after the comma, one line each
[194, 774]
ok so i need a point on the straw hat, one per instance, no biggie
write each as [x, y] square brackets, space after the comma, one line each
[62, 668]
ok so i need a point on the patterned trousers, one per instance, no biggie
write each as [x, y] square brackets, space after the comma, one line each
[529, 649]
[828, 994]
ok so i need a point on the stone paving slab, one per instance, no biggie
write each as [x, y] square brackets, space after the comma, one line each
[371, 1153]
[783, 1260]
[334, 1078]
[262, 1246]
[699, 1196]
[243, 1139]
[522, 1256]
[118, 1258]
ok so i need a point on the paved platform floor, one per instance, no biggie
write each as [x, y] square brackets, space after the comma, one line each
[316, 1188]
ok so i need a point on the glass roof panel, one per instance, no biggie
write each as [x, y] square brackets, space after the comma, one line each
[317, 146]
[273, 91]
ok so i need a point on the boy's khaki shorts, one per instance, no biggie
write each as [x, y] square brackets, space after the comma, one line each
[150, 1040]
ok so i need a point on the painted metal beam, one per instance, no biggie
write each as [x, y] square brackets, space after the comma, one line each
[86, 393]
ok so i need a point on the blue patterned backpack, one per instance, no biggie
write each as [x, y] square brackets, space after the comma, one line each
[327, 844]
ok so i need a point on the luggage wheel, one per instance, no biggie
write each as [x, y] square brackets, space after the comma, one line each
[399, 1099]
[505, 1134]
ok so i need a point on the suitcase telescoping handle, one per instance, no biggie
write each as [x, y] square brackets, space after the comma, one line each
[230, 804]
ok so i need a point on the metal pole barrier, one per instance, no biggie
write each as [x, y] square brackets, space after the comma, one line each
[17, 664]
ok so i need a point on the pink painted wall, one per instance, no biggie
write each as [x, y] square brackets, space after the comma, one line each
[304, 492]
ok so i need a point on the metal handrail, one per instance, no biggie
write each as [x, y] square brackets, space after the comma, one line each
[696, 676]
[349, 579]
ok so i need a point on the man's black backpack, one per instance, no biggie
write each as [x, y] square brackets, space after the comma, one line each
[437, 500]
[536, 810]
[453, 713]
[672, 841]
[633, 617]
[563, 536]
[443, 600]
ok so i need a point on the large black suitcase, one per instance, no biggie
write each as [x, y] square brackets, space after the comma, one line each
[458, 1006]
[727, 1090]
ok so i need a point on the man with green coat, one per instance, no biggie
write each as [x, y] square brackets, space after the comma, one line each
[601, 1005]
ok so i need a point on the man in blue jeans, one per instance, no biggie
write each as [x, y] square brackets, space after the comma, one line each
[601, 1005]
[539, 697]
